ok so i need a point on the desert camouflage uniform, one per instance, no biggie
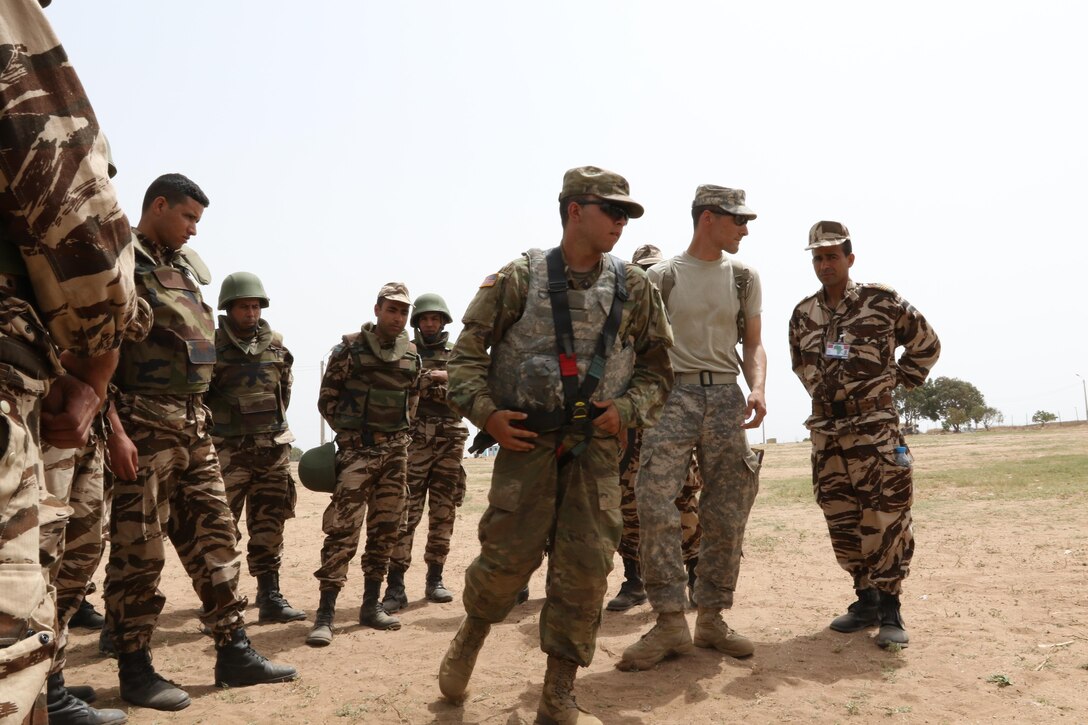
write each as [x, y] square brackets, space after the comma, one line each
[533, 504]
[65, 268]
[368, 396]
[178, 491]
[435, 473]
[248, 397]
[865, 496]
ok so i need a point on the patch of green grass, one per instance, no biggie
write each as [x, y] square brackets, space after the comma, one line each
[1025, 478]
[999, 680]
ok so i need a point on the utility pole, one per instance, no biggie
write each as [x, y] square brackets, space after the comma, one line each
[1084, 388]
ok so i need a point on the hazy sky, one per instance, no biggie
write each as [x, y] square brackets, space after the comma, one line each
[346, 144]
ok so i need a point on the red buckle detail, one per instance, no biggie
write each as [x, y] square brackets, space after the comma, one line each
[568, 365]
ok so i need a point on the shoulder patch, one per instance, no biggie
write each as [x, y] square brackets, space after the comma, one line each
[489, 281]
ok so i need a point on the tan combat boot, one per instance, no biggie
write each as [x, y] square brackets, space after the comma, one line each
[557, 705]
[670, 636]
[712, 631]
[456, 669]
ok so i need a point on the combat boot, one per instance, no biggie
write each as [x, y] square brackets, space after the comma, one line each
[142, 685]
[669, 636]
[321, 634]
[523, 595]
[632, 591]
[67, 709]
[105, 643]
[371, 613]
[274, 607]
[711, 631]
[237, 664]
[892, 630]
[557, 704]
[690, 564]
[863, 613]
[86, 617]
[395, 596]
[436, 591]
[456, 669]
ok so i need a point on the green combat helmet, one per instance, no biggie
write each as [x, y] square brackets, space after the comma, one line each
[430, 302]
[317, 468]
[239, 286]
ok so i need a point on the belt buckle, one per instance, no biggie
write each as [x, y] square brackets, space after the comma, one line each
[579, 411]
[709, 378]
[838, 409]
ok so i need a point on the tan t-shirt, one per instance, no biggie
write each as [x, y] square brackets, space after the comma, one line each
[702, 305]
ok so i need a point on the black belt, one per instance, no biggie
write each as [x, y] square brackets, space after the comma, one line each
[24, 357]
[860, 406]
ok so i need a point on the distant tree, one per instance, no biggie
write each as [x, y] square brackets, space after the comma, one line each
[910, 404]
[989, 416]
[1042, 417]
[954, 418]
[952, 401]
[296, 453]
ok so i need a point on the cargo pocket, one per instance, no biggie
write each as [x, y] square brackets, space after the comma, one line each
[506, 481]
[896, 482]
[606, 452]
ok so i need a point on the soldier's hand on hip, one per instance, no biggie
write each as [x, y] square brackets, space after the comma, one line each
[68, 411]
[756, 410]
[609, 420]
[500, 426]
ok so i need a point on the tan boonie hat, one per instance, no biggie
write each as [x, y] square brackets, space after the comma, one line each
[728, 200]
[395, 291]
[599, 182]
[827, 234]
[646, 256]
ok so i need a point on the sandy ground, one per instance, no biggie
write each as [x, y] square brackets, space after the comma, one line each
[997, 608]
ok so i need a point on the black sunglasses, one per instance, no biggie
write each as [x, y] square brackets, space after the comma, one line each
[739, 219]
[615, 212]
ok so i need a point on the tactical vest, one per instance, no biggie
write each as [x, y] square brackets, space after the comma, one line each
[434, 357]
[178, 356]
[375, 394]
[245, 394]
[524, 373]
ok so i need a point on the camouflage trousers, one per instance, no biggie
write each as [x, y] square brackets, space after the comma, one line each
[370, 482]
[687, 503]
[708, 418]
[178, 494]
[574, 511]
[258, 478]
[866, 500]
[27, 611]
[437, 478]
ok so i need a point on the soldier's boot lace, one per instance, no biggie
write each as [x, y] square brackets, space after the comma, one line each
[237, 664]
[372, 613]
[632, 591]
[690, 564]
[863, 613]
[892, 630]
[321, 634]
[557, 703]
[711, 631]
[67, 709]
[86, 617]
[395, 597]
[668, 637]
[460, 659]
[142, 685]
[274, 607]
[436, 591]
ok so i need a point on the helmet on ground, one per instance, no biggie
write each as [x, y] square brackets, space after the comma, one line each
[317, 468]
[240, 286]
[430, 302]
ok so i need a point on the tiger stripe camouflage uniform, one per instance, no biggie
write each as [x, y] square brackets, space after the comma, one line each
[65, 266]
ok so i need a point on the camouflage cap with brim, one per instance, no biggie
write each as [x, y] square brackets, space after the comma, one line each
[591, 180]
[396, 292]
[827, 234]
[646, 256]
[726, 199]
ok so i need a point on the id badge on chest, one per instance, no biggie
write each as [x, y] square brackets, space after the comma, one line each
[838, 350]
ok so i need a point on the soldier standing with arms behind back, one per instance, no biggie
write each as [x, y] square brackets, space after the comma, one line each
[249, 394]
[842, 345]
[578, 352]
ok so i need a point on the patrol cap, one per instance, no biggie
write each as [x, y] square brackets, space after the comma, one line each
[827, 234]
[726, 199]
[317, 468]
[395, 292]
[646, 256]
[600, 182]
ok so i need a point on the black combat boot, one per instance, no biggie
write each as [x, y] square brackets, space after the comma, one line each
[86, 617]
[632, 591]
[321, 634]
[395, 596]
[436, 591]
[274, 607]
[372, 614]
[66, 709]
[237, 664]
[863, 613]
[892, 631]
[523, 595]
[142, 685]
[105, 643]
[690, 565]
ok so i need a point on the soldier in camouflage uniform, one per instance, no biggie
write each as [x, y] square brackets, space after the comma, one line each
[633, 591]
[368, 397]
[842, 345]
[65, 285]
[435, 473]
[556, 480]
[177, 490]
[249, 394]
[714, 303]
